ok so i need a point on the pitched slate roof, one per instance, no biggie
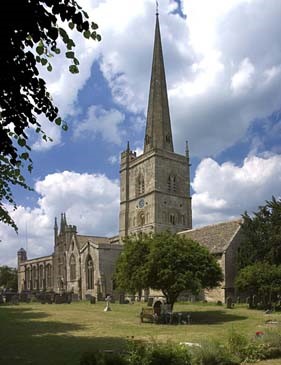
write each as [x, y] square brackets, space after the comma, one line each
[215, 237]
[82, 240]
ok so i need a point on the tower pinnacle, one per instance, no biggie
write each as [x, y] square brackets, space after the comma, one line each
[158, 132]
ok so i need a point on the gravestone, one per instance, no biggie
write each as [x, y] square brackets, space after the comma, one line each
[122, 298]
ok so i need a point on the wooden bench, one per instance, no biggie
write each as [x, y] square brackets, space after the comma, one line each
[148, 314]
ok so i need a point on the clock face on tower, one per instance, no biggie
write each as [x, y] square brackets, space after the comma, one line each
[141, 203]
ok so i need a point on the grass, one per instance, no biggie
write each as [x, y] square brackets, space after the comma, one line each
[37, 334]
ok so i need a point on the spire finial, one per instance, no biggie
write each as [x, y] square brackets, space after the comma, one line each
[157, 8]
[128, 146]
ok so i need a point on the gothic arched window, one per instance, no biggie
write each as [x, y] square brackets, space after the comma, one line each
[49, 276]
[139, 185]
[172, 219]
[41, 277]
[89, 273]
[172, 186]
[141, 219]
[72, 265]
[28, 278]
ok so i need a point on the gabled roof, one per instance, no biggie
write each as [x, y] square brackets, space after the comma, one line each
[82, 240]
[216, 237]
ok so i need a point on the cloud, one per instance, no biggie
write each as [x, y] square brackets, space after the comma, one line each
[99, 121]
[221, 76]
[241, 81]
[225, 191]
[91, 202]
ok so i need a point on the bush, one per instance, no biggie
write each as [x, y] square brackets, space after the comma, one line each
[265, 346]
[213, 353]
[158, 354]
[237, 344]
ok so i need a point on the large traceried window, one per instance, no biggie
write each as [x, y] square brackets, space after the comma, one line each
[89, 273]
[72, 264]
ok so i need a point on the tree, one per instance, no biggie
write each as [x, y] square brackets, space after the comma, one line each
[166, 262]
[261, 235]
[261, 279]
[8, 277]
[131, 266]
[30, 31]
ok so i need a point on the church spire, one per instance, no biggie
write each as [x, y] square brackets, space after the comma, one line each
[158, 125]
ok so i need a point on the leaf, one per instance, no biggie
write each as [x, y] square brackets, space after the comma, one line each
[98, 37]
[94, 26]
[38, 59]
[25, 156]
[40, 50]
[57, 50]
[49, 68]
[21, 142]
[70, 44]
[58, 121]
[69, 54]
[76, 61]
[63, 33]
[85, 14]
[87, 34]
[44, 61]
[71, 25]
[73, 69]
[65, 127]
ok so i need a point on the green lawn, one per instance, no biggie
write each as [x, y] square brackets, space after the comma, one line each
[59, 333]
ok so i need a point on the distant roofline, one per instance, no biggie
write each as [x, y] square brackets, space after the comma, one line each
[213, 225]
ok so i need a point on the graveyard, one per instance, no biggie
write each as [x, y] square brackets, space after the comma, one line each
[35, 333]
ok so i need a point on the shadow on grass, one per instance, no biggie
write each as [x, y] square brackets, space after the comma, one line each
[26, 340]
[213, 317]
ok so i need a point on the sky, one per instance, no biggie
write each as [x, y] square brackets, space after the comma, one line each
[223, 71]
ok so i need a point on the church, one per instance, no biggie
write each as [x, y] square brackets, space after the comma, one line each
[154, 197]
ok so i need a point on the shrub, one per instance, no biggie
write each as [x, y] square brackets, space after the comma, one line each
[265, 346]
[158, 354]
[213, 353]
[237, 344]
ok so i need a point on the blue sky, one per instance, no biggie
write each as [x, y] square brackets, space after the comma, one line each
[223, 70]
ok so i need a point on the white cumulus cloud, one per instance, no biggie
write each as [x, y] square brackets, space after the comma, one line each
[90, 201]
[225, 191]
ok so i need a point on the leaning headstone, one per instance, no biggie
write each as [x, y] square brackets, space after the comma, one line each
[150, 302]
[1, 299]
[93, 300]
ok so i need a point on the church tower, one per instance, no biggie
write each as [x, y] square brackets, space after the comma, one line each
[155, 186]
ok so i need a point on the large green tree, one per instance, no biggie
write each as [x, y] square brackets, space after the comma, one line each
[30, 32]
[8, 277]
[166, 262]
[261, 279]
[262, 235]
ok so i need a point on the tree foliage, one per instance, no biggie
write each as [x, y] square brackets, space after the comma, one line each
[8, 277]
[262, 235]
[262, 279]
[166, 262]
[30, 32]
